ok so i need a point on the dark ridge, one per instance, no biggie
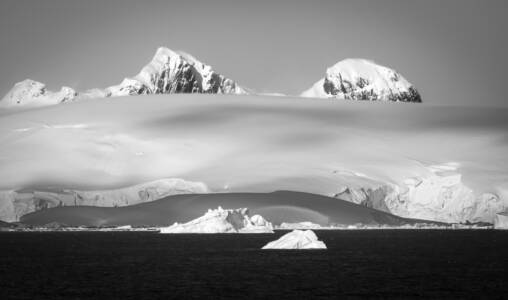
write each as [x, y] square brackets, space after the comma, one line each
[277, 207]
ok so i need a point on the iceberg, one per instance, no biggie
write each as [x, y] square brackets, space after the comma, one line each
[299, 225]
[297, 239]
[223, 221]
[124, 227]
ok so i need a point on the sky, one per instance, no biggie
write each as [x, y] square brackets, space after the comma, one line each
[453, 51]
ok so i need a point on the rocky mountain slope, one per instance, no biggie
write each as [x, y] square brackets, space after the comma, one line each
[172, 72]
[360, 79]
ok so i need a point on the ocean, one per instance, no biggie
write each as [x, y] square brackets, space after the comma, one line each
[357, 264]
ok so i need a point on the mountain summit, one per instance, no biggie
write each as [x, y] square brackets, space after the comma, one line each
[172, 72]
[169, 72]
[361, 79]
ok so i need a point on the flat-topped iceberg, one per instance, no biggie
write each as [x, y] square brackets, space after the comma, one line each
[223, 221]
[297, 239]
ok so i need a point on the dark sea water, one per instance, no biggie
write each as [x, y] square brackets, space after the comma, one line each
[357, 264]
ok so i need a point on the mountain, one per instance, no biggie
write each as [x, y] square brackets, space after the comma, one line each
[32, 93]
[169, 72]
[172, 72]
[360, 79]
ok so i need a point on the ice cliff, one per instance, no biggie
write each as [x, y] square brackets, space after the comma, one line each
[437, 194]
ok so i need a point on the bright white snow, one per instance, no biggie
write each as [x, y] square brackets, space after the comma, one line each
[297, 239]
[223, 221]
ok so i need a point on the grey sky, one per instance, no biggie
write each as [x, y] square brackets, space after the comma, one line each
[454, 51]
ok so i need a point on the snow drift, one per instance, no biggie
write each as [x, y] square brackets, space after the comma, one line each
[223, 221]
[297, 239]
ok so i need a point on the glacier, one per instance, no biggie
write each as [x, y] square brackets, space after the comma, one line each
[223, 221]
[297, 239]
[14, 204]
[361, 79]
[438, 194]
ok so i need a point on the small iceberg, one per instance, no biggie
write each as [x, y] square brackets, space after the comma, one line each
[297, 239]
[223, 221]
[300, 226]
[125, 227]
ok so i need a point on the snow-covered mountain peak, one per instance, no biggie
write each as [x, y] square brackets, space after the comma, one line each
[168, 72]
[33, 93]
[362, 79]
[176, 72]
